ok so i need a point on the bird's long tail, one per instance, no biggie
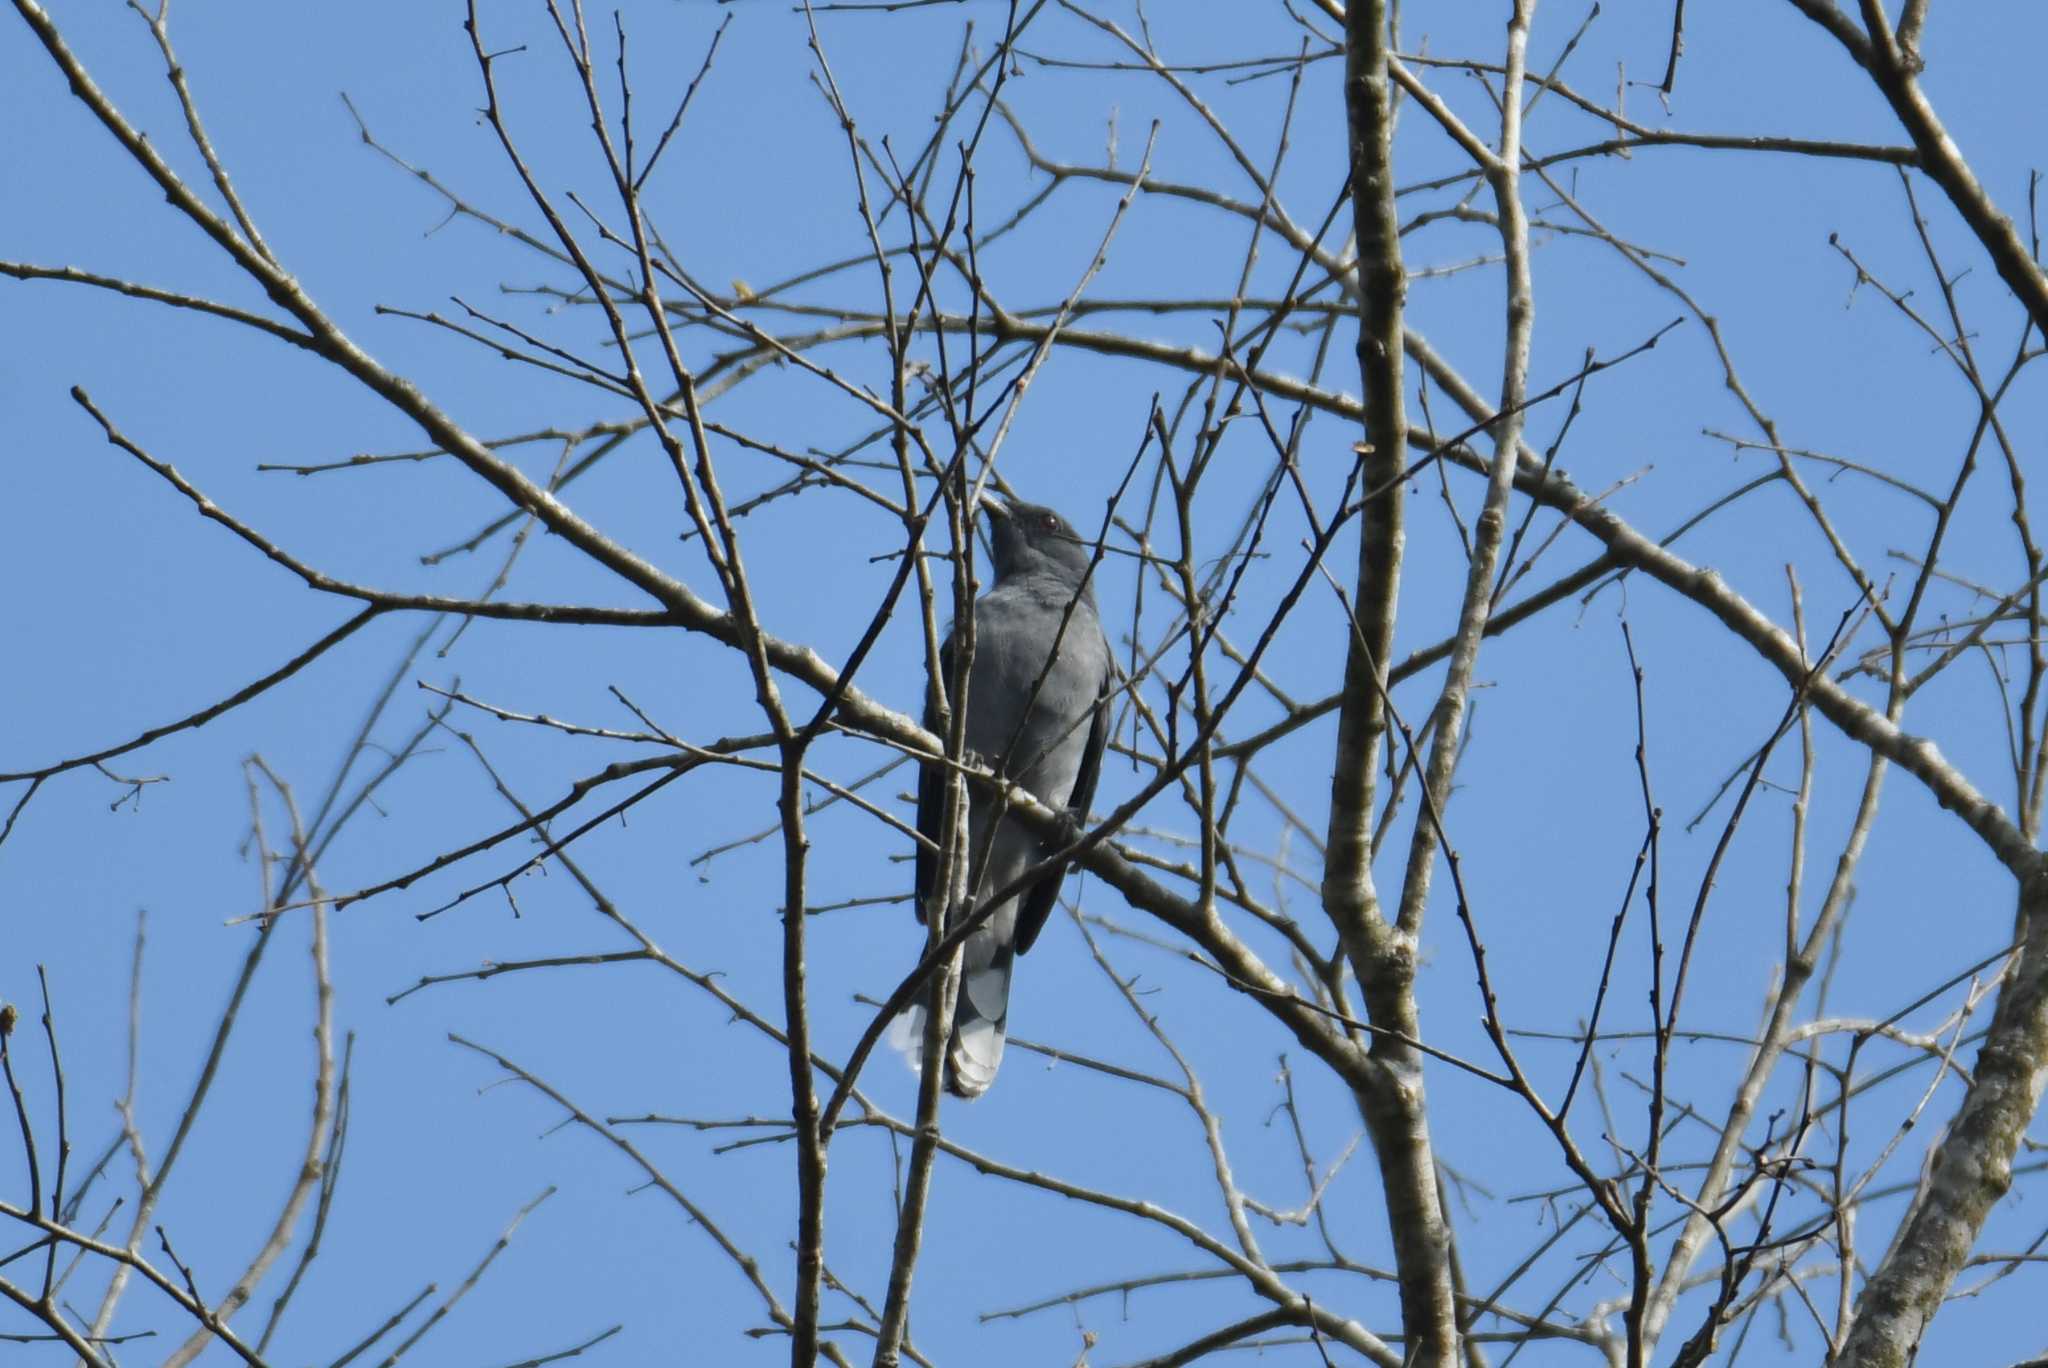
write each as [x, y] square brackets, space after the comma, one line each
[980, 1019]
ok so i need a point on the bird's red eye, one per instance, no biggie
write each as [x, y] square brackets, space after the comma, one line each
[1049, 523]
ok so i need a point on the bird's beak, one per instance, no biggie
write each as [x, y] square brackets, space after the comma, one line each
[995, 508]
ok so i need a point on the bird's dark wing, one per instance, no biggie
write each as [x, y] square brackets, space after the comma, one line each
[1036, 905]
[931, 796]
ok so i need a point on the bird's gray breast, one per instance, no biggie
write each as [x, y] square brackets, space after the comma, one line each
[1037, 740]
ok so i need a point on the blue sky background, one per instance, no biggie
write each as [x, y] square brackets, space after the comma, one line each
[123, 609]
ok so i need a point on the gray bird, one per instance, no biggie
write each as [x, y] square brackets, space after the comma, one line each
[1049, 741]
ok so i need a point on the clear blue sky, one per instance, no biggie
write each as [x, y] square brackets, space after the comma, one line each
[123, 609]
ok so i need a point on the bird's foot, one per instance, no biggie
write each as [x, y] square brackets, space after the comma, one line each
[1069, 825]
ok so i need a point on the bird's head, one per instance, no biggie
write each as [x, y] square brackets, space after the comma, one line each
[1032, 538]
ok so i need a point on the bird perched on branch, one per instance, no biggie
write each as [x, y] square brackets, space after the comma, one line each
[1038, 712]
